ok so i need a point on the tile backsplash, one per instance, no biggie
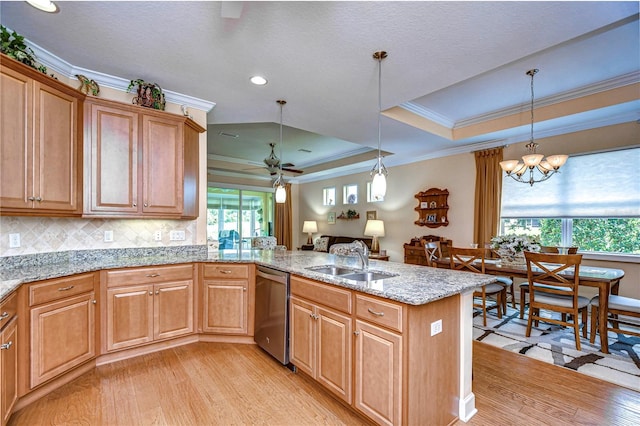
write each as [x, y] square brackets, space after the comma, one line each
[51, 234]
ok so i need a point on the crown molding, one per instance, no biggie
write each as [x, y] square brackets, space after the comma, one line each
[68, 70]
[428, 114]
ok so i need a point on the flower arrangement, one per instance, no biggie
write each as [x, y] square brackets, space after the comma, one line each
[511, 248]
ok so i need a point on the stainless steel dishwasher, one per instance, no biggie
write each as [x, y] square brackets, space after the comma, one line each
[272, 312]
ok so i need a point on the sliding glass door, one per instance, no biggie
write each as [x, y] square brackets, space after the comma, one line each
[235, 216]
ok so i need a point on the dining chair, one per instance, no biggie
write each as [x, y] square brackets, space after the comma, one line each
[551, 290]
[472, 259]
[524, 287]
[507, 282]
[432, 251]
[621, 310]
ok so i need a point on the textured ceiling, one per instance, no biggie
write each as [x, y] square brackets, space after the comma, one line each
[451, 63]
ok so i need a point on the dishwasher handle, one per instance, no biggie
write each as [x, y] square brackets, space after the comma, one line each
[279, 278]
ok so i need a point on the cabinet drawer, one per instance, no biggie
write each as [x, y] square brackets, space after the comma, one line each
[60, 288]
[226, 271]
[324, 294]
[379, 312]
[149, 275]
[8, 309]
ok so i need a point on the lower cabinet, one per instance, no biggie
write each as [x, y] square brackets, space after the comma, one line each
[320, 334]
[148, 304]
[8, 358]
[228, 299]
[62, 325]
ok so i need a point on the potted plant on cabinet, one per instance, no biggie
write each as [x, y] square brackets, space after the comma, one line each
[148, 94]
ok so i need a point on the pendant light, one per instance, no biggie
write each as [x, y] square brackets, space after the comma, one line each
[379, 171]
[540, 169]
[281, 193]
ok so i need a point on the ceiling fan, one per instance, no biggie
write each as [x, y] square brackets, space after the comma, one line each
[272, 163]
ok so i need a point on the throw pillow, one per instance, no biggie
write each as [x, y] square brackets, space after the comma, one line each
[321, 244]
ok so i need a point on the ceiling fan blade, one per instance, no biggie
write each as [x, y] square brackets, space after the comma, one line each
[287, 169]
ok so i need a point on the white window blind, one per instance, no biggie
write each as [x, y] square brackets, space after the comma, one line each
[605, 184]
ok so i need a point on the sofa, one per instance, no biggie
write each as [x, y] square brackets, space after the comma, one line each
[324, 242]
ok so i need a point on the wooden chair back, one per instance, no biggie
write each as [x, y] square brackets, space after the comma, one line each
[555, 250]
[432, 251]
[547, 268]
[467, 258]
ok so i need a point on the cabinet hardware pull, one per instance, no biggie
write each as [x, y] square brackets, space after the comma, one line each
[244, 289]
[150, 293]
[145, 204]
[94, 301]
[6, 345]
[380, 314]
[66, 288]
[157, 292]
[225, 271]
[152, 275]
[357, 333]
[4, 315]
[31, 198]
[135, 205]
[38, 199]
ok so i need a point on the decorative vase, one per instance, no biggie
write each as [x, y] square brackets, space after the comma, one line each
[509, 259]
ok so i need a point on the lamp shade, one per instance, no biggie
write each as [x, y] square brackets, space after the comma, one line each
[310, 226]
[374, 228]
[281, 194]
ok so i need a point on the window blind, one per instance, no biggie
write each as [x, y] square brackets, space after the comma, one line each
[605, 184]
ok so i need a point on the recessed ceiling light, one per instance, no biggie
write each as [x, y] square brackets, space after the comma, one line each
[258, 80]
[46, 5]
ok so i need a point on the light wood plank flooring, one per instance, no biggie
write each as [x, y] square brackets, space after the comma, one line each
[225, 384]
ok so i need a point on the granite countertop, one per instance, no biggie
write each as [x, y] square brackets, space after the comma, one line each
[414, 285]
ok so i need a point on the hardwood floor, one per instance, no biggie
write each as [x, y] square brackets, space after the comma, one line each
[224, 384]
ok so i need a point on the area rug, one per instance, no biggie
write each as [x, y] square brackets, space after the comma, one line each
[556, 345]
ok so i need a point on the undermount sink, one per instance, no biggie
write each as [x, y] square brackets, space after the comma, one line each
[331, 270]
[368, 276]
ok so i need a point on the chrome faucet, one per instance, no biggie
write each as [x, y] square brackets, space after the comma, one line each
[362, 251]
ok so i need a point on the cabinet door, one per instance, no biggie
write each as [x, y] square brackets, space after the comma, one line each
[225, 306]
[334, 352]
[163, 159]
[55, 149]
[113, 135]
[8, 370]
[62, 336]
[129, 316]
[16, 149]
[173, 309]
[302, 335]
[378, 375]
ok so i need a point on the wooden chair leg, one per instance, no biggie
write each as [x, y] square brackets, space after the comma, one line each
[522, 299]
[513, 296]
[584, 322]
[500, 303]
[576, 331]
[594, 323]
[529, 321]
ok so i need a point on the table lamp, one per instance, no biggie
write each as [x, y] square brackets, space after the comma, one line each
[375, 229]
[310, 226]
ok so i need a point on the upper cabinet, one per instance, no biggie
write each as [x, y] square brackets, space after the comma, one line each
[139, 162]
[39, 155]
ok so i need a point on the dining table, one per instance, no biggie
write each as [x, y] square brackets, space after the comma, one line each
[606, 280]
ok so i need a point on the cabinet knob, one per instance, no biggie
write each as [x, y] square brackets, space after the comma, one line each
[31, 198]
[150, 293]
[145, 204]
[6, 345]
[4, 315]
[94, 301]
[356, 333]
[244, 289]
[38, 199]
[157, 292]
[135, 205]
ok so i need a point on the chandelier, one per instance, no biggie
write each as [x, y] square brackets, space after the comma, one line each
[379, 171]
[540, 168]
[281, 194]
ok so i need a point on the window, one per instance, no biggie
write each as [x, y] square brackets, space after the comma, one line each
[371, 198]
[235, 216]
[350, 194]
[329, 196]
[593, 203]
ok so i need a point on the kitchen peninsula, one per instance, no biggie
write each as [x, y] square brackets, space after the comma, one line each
[432, 377]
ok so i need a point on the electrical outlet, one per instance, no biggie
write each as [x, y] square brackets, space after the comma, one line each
[157, 235]
[14, 240]
[108, 236]
[177, 235]
[436, 327]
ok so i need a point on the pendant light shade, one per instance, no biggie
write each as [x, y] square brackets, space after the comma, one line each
[379, 171]
[281, 193]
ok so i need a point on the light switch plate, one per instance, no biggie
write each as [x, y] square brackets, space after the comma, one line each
[108, 236]
[14, 240]
[177, 235]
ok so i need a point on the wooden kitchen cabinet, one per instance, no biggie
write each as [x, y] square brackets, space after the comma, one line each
[228, 299]
[40, 156]
[8, 357]
[148, 304]
[62, 325]
[320, 336]
[144, 163]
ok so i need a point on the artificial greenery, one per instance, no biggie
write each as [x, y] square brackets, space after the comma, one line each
[13, 46]
[149, 94]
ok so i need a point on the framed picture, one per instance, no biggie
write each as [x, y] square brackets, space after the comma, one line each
[431, 218]
[433, 205]
[331, 218]
[424, 204]
[371, 215]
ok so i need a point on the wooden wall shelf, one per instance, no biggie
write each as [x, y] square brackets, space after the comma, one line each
[433, 208]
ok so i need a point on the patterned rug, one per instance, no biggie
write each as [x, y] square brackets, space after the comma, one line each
[556, 345]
